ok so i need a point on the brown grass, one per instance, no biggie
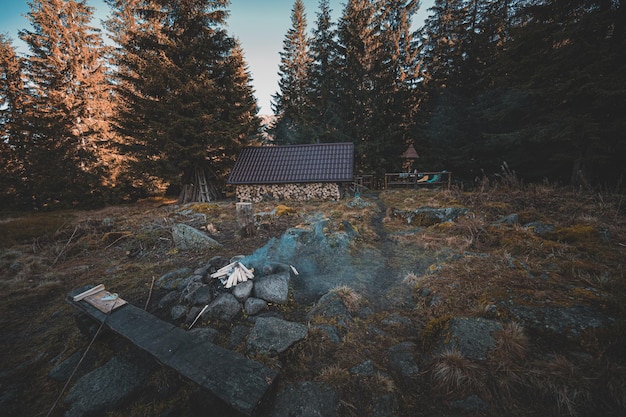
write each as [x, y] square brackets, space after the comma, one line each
[454, 375]
[468, 265]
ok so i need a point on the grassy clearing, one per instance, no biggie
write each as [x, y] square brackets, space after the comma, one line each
[470, 267]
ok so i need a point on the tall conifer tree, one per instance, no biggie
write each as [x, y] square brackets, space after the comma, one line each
[396, 82]
[188, 105]
[291, 102]
[358, 42]
[68, 99]
[323, 79]
[12, 124]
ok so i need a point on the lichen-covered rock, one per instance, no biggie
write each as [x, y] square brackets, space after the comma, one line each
[178, 312]
[188, 238]
[570, 322]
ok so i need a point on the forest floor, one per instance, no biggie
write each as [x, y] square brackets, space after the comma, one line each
[474, 265]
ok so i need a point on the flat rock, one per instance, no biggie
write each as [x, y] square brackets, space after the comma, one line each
[107, 388]
[272, 335]
[570, 322]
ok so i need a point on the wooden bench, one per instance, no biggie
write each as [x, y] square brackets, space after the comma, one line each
[242, 383]
[420, 179]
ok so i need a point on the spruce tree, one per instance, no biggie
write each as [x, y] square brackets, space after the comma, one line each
[68, 102]
[569, 59]
[358, 42]
[291, 102]
[396, 82]
[441, 50]
[323, 79]
[187, 103]
[12, 127]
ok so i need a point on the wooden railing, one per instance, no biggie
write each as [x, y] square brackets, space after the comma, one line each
[419, 179]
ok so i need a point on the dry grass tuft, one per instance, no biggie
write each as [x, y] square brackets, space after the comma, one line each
[334, 375]
[453, 374]
[383, 383]
[562, 383]
[512, 343]
[350, 298]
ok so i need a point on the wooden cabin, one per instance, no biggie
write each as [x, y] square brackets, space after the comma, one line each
[294, 172]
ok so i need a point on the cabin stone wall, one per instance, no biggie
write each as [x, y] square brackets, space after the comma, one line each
[291, 191]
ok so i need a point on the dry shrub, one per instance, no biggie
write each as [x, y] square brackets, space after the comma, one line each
[453, 374]
[334, 375]
[511, 343]
[561, 383]
[383, 383]
[350, 298]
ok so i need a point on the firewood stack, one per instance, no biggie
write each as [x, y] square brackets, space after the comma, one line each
[232, 274]
[292, 191]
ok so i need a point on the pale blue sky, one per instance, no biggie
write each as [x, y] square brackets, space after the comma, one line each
[260, 25]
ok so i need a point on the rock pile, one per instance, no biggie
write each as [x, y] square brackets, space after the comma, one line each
[191, 291]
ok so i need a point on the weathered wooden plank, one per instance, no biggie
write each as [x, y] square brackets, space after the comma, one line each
[240, 382]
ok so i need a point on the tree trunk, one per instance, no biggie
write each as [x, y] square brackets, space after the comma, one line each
[245, 219]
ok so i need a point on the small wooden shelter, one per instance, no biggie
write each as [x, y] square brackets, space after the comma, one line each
[293, 172]
[409, 156]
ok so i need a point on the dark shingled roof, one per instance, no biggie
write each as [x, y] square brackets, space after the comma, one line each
[325, 162]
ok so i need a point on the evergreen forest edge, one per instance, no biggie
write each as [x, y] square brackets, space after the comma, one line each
[535, 86]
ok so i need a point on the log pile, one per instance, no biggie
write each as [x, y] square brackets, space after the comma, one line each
[232, 274]
[290, 191]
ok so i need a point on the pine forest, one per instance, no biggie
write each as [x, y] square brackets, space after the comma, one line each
[534, 87]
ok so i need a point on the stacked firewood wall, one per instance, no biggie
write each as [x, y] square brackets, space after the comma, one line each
[299, 192]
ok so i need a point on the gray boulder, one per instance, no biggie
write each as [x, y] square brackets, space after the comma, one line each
[272, 335]
[107, 388]
[196, 293]
[243, 290]
[175, 280]
[472, 336]
[254, 306]
[178, 312]
[188, 238]
[569, 322]
[169, 299]
[273, 288]
[331, 306]
[224, 307]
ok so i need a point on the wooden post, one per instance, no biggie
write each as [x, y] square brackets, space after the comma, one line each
[245, 219]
